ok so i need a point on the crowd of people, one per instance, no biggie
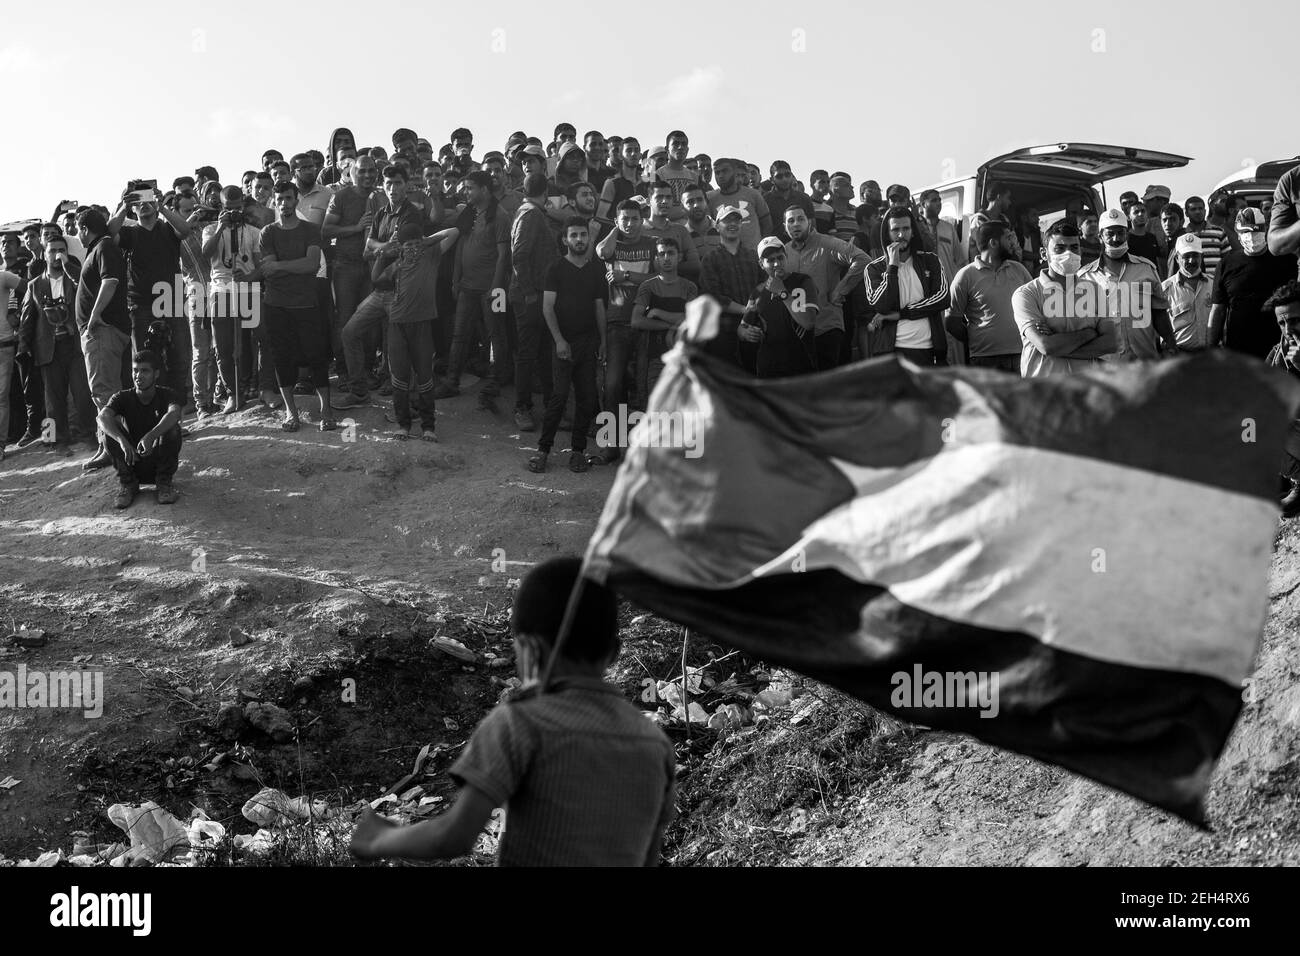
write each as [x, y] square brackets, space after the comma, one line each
[565, 268]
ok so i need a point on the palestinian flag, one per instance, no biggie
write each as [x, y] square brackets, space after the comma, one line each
[1073, 568]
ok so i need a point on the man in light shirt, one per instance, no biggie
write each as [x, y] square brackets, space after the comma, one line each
[1188, 291]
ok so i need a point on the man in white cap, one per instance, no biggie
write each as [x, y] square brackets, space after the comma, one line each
[1188, 292]
[1129, 292]
[730, 273]
[1245, 280]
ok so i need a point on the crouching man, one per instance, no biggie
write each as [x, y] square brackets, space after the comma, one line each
[143, 432]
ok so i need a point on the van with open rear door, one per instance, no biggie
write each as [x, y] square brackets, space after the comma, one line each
[1050, 181]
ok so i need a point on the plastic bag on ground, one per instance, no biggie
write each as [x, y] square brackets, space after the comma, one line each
[155, 834]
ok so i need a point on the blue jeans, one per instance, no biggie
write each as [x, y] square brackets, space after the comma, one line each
[351, 286]
[371, 315]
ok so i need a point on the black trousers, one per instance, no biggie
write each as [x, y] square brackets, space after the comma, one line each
[156, 468]
[580, 372]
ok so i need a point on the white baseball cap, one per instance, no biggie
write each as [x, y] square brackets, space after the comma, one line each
[1189, 242]
[1111, 218]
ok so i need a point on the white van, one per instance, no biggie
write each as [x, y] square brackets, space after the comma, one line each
[1254, 183]
[1053, 180]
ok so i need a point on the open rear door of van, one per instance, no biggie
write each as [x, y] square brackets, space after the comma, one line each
[1076, 164]
[1254, 181]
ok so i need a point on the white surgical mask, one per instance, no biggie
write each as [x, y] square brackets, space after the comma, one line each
[1065, 263]
[1117, 252]
[1253, 243]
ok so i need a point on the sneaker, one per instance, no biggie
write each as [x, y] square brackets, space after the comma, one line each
[446, 390]
[125, 495]
[428, 435]
[578, 462]
[524, 420]
[166, 493]
[229, 406]
[27, 439]
[1291, 503]
[101, 459]
[347, 400]
[402, 432]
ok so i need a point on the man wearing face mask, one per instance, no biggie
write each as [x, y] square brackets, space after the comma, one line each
[1244, 281]
[1061, 329]
[1127, 288]
[1188, 292]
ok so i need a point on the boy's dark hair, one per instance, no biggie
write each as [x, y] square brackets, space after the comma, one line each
[1173, 207]
[460, 133]
[629, 205]
[692, 188]
[52, 225]
[670, 242]
[576, 222]
[1283, 295]
[395, 171]
[534, 185]
[997, 190]
[675, 134]
[94, 220]
[287, 186]
[660, 185]
[991, 230]
[1062, 227]
[146, 357]
[574, 188]
[539, 610]
[479, 178]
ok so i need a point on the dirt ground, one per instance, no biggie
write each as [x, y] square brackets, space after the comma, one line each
[294, 565]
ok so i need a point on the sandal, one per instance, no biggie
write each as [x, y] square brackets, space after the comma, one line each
[537, 464]
[289, 424]
[328, 425]
[578, 462]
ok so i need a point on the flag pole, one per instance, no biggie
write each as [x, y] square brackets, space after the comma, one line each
[566, 625]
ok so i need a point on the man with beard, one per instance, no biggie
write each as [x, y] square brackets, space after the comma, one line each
[1244, 281]
[624, 185]
[102, 316]
[313, 202]
[1213, 240]
[347, 218]
[782, 195]
[594, 148]
[907, 288]
[573, 302]
[152, 246]
[532, 250]
[702, 230]
[17, 363]
[508, 200]
[731, 274]
[48, 334]
[291, 256]
[981, 316]
[582, 197]
[232, 246]
[835, 267]
[757, 222]
[660, 225]
[365, 326]
[676, 174]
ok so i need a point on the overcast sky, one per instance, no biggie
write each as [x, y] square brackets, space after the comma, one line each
[100, 92]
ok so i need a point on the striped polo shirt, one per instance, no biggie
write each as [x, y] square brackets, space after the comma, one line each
[1214, 245]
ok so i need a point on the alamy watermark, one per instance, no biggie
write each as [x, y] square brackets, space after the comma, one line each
[945, 689]
[63, 690]
[675, 429]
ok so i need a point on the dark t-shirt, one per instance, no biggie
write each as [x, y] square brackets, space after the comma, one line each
[778, 204]
[287, 291]
[349, 204]
[786, 349]
[1148, 247]
[415, 287]
[103, 261]
[1243, 283]
[154, 256]
[576, 290]
[480, 248]
[1285, 198]
[141, 418]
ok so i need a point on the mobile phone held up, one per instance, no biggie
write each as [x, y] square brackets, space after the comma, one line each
[142, 190]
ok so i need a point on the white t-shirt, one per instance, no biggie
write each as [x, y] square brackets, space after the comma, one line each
[222, 277]
[912, 333]
[56, 286]
[312, 207]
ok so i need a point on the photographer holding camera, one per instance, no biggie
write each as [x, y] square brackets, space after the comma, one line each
[231, 246]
